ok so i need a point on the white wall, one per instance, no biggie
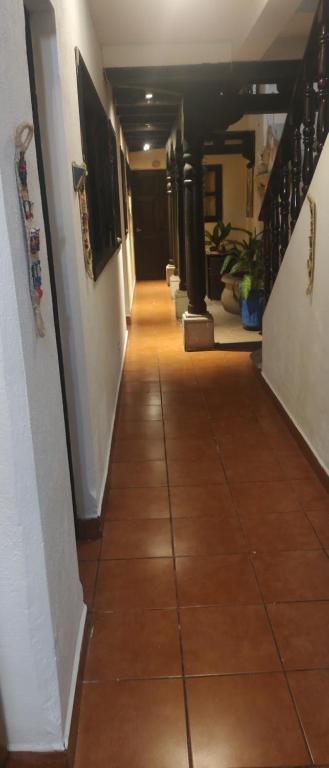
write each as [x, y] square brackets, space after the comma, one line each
[92, 315]
[41, 607]
[296, 326]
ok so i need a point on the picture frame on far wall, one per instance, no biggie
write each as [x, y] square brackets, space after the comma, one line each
[99, 148]
[124, 190]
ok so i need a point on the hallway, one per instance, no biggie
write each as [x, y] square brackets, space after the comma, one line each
[209, 593]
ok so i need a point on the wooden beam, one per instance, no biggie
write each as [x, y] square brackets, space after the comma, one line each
[165, 77]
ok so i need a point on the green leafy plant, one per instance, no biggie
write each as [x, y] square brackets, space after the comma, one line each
[219, 240]
[245, 260]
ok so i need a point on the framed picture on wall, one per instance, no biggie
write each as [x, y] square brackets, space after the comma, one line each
[99, 149]
[124, 190]
[213, 193]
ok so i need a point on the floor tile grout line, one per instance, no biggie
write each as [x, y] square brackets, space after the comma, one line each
[284, 672]
[181, 650]
[204, 675]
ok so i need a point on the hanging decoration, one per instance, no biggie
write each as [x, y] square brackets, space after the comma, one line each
[23, 138]
[311, 256]
[79, 182]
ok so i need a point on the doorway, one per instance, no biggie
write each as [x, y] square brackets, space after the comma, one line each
[149, 202]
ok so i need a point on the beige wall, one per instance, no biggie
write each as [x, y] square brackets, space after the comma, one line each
[153, 160]
[234, 188]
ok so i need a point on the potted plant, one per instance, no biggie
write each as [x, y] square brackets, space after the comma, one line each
[218, 241]
[246, 261]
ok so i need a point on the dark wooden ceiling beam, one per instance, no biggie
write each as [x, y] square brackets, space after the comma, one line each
[260, 72]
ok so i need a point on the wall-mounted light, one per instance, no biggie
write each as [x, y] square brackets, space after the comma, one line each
[146, 147]
[149, 96]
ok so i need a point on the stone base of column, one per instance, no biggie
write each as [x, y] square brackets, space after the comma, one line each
[170, 270]
[198, 332]
[181, 301]
[174, 285]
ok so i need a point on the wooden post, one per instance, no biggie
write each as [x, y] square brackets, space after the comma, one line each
[267, 254]
[275, 231]
[181, 219]
[170, 214]
[198, 324]
[308, 136]
[323, 79]
[194, 227]
[295, 201]
[284, 208]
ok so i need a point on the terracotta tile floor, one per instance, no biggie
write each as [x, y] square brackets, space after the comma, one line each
[209, 593]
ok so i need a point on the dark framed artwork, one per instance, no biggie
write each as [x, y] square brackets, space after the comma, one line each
[124, 190]
[213, 193]
[99, 149]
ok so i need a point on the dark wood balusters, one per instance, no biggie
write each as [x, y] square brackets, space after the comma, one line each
[308, 136]
[323, 79]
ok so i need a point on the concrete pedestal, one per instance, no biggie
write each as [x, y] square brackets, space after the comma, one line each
[181, 301]
[174, 285]
[198, 332]
[170, 270]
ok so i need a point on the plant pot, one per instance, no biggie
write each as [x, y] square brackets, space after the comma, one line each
[251, 310]
[230, 293]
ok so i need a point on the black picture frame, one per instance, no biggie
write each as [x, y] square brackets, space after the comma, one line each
[99, 148]
[124, 190]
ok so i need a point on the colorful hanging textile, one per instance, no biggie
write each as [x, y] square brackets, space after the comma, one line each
[23, 138]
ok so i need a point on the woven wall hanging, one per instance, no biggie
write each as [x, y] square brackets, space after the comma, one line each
[311, 256]
[23, 138]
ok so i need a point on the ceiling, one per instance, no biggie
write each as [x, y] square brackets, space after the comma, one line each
[127, 22]
[165, 47]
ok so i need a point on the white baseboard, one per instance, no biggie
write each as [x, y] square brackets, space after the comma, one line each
[109, 445]
[74, 679]
[307, 441]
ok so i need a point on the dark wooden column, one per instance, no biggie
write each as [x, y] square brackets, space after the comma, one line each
[181, 217]
[170, 214]
[194, 225]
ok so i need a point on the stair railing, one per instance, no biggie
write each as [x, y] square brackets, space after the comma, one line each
[301, 144]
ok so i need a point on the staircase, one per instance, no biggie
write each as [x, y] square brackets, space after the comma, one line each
[302, 141]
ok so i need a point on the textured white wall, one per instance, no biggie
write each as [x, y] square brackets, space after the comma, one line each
[41, 603]
[296, 326]
[92, 315]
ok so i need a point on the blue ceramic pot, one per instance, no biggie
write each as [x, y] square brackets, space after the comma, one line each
[251, 310]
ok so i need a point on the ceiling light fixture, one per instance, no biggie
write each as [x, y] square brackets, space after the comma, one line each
[149, 96]
[146, 147]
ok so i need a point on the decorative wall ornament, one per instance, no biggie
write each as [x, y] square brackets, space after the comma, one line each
[312, 236]
[266, 161]
[23, 137]
[84, 217]
[79, 173]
